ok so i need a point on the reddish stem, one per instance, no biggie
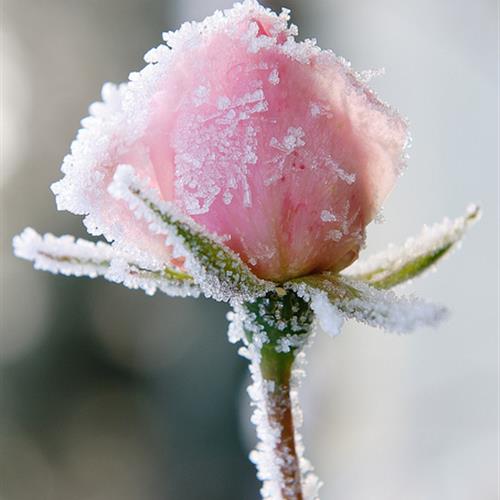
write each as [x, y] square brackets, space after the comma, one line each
[277, 368]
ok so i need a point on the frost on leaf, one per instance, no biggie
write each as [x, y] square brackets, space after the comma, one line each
[328, 316]
[398, 264]
[362, 302]
[71, 257]
[219, 271]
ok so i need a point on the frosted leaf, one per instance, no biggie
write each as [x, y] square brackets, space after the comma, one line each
[328, 316]
[362, 302]
[70, 257]
[219, 271]
[398, 264]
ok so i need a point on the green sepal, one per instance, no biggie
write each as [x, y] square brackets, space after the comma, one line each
[416, 256]
[220, 272]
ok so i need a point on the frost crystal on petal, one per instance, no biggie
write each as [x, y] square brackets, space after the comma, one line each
[219, 271]
[65, 255]
[398, 264]
[327, 216]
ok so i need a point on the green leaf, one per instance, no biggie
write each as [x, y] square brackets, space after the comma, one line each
[358, 300]
[65, 255]
[417, 255]
[220, 272]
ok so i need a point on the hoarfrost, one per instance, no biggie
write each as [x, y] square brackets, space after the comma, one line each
[315, 109]
[329, 318]
[311, 484]
[286, 343]
[122, 117]
[224, 128]
[334, 235]
[219, 271]
[417, 255]
[368, 74]
[366, 304]
[274, 77]
[327, 216]
[270, 457]
[379, 217]
[70, 257]
[346, 220]
[293, 140]
[264, 456]
[201, 95]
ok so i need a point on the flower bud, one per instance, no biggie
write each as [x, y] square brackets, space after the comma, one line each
[273, 144]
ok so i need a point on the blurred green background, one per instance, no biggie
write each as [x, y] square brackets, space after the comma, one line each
[106, 394]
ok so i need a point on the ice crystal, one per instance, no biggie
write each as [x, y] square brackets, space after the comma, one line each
[362, 302]
[65, 255]
[368, 74]
[269, 468]
[264, 455]
[418, 254]
[328, 316]
[327, 216]
[200, 176]
[258, 324]
[218, 142]
[219, 271]
[274, 77]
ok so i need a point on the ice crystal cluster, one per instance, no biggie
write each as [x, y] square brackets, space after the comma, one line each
[244, 165]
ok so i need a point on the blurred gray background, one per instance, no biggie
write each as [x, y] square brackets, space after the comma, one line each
[106, 394]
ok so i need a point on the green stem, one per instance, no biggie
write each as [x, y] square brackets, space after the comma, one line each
[276, 327]
[277, 368]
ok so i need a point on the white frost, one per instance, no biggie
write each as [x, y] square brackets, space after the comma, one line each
[264, 455]
[364, 303]
[327, 216]
[431, 239]
[274, 77]
[70, 257]
[329, 318]
[219, 272]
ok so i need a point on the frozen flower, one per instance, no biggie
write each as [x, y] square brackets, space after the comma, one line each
[244, 165]
[274, 144]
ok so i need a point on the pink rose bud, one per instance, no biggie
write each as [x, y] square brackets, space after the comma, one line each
[274, 144]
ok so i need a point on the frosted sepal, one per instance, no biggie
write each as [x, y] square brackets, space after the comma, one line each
[219, 271]
[328, 316]
[65, 255]
[367, 304]
[398, 264]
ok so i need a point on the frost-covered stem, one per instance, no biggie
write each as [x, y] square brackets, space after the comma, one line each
[275, 328]
[276, 369]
